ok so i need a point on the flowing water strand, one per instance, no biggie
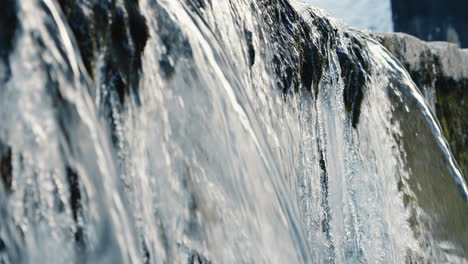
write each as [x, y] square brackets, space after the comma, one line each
[209, 159]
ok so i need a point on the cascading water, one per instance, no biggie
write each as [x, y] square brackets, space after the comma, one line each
[246, 132]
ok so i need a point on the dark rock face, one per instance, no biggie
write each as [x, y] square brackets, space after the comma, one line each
[307, 55]
[75, 202]
[6, 169]
[298, 62]
[433, 20]
[8, 26]
[439, 69]
[103, 32]
[354, 68]
[100, 31]
[197, 258]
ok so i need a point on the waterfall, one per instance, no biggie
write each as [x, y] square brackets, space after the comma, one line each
[216, 131]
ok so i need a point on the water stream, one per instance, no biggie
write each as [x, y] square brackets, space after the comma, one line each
[210, 161]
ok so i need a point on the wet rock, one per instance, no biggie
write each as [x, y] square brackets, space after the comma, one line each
[75, 201]
[354, 72]
[439, 70]
[305, 46]
[146, 253]
[197, 5]
[9, 25]
[299, 60]
[100, 29]
[197, 258]
[6, 169]
[250, 47]
[82, 27]
[2, 245]
[111, 34]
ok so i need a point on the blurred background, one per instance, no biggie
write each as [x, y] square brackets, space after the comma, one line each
[375, 15]
[431, 20]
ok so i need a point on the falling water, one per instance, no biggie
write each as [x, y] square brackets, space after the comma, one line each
[213, 158]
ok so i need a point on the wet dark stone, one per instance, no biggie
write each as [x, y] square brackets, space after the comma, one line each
[293, 70]
[285, 80]
[75, 193]
[325, 224]
[116, 31]
[6, 169]
[300, 48]
[118, 60]
[82, 30]
[123, 60]
[9, 25]
[75, 202]
[146, 254]
[197, 258]
[101, 19]
[250, 47]
[433, 20]
[138, 28]
[322, 162]
[312, 64]
[104, 30]
[196, 5]
[120, 46]
[354, 69]
[2, 245]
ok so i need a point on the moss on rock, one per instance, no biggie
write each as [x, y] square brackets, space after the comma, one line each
[440, 69]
